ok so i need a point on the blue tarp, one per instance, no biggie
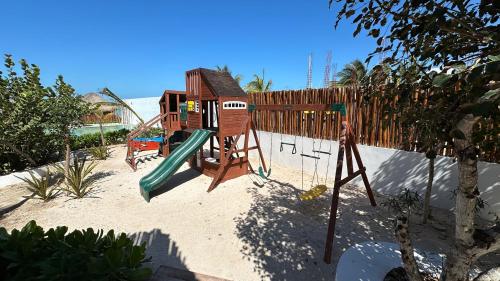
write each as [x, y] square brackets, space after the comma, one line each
[155, 139]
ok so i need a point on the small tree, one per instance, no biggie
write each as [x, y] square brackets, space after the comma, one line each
[259, 84]
[24, 121]
[66, 112]
[464, 36]
[404, 205]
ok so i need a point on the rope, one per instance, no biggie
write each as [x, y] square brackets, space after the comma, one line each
[271, 148]
[302, 152]
[329, 155]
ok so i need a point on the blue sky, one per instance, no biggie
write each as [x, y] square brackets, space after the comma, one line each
[139, 48]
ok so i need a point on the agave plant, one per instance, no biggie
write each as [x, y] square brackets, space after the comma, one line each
[78, 181]
[42, 187]
[99, 152]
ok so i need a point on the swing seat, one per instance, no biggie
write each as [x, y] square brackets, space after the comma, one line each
[294, 148]
[322, 152]
[310, 156]
[313, 193]
[262, 174]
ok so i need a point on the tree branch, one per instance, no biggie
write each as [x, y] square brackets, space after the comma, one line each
[20, 153]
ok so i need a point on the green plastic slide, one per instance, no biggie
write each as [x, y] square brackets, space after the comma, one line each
[160, 175]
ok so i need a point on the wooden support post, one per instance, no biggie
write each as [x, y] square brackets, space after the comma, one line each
[335, 198]
[222, 150]
[211, 120]
[346, 146]
[257, 142]
[361, 167]
[227, 159]
[348, 155]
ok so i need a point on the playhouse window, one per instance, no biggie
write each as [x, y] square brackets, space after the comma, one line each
[234, 105]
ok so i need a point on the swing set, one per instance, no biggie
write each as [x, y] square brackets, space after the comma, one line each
[347, 148]
[217, 110]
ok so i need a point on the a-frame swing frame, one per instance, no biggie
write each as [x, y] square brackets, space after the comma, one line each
[347, 148]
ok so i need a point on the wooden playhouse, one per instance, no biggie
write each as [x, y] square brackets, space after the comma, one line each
[214, 101]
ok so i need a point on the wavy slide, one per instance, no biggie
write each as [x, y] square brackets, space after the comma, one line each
[167, 168]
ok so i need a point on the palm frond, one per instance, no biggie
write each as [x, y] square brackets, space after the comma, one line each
[107, 92]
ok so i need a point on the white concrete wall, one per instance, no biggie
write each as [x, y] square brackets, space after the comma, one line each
[16, 178]
[147, 108]
[390, 170]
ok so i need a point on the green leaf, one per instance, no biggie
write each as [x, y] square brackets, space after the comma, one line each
[356, 32]
[491, 95]
[375, 32]
[494, 58]
[441, 80]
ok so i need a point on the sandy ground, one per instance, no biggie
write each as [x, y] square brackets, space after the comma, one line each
[240, 231]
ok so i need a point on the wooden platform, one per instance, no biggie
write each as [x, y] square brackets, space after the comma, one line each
[167, 273]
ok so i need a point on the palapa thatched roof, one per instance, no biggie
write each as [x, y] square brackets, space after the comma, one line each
[222, 83]
[95, 98]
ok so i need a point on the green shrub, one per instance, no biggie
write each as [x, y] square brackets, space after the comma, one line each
[94, 139]
[115, 137]
[99, 152]
[33, 254]
[42, 187]
[78, 181]
[152, 132]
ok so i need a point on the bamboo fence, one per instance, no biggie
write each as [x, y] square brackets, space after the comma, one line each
[370, 124]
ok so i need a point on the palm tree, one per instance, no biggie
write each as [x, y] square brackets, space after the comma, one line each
[352, 74]
[258, 84]
[117, 101]
[225, 68]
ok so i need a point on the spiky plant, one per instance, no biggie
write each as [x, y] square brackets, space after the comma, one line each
[78, 181]
[42, 187]
[99, 152]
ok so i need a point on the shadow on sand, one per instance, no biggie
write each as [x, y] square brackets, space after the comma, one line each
[285, 237]
[176, 180]
[162, 250]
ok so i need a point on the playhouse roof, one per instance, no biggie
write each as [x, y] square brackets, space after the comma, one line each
[222, 83]
[94, 98]
[170, 92]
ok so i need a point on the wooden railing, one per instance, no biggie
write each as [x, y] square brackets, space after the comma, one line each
[174, 121]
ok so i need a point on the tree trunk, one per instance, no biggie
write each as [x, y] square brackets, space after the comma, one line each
[67, 156]
[406, 247]
[103, 141]
[462, 253]
[20, 153]
[428, 191]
